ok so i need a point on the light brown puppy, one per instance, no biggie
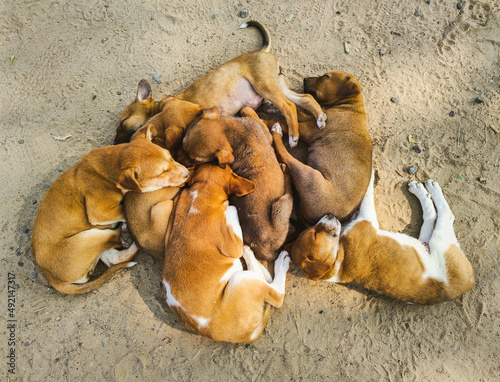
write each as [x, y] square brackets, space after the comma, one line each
[242, 143]
[203, 277]
[425, 271]
[78, 220]
[171, 123]
[244, 81]
[336, 174]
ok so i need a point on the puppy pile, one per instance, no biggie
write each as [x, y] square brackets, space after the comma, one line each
[211, 225]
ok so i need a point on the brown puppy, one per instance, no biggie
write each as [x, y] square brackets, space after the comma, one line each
[203, 277]
[77, 221]
[244, 81]
[171, 123]
[242, 143]
[336, 174]
[425, 271]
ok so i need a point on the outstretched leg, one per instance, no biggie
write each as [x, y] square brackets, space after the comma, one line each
[280, 270]
[367, 207]
[429, 212]
[443, 234]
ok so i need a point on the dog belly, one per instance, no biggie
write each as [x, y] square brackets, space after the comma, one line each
[242, 95]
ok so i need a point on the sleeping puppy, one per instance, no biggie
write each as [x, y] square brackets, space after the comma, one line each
[244, 81]
[78, 221]
[429, 270]
[204, 281]
[243, 143]
[337, 171]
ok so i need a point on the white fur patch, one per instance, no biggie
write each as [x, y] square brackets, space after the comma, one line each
[201, 321]
[434, 266]
[233, 221]
[236, 267]
[171, 301]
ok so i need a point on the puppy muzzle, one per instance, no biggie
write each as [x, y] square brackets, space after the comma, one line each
[330, 224]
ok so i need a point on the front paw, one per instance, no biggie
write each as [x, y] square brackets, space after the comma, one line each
[277, 129]
[282, 263]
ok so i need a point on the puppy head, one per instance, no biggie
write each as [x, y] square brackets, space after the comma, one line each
[137, 113]
[206, 140]
[232, 183]
[148, 167]
[332, 87]
[315, 250]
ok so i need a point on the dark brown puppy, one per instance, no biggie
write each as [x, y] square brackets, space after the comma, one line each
[244, 81]
[242, 143]
[336, 175]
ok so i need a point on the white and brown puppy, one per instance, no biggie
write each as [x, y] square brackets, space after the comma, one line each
[425, 271]
[78, 221]
[203, 277]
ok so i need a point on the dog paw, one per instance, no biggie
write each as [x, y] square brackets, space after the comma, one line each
[432, 186]
[282, 262]
[277, 128]
[292, 141]
[321, 121]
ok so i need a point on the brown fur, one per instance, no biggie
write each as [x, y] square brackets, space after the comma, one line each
[243, 143]
[201, 249]
[78, 216]
[337, 172]
[379, 263]
[243, 81]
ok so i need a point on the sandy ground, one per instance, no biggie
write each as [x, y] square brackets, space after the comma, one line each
[70, 68]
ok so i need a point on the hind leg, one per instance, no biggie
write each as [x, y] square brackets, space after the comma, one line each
[429, 212]
[444, 233]
[305, 101]
[254, 265]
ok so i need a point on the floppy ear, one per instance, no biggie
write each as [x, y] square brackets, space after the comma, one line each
[349, 88]
[240, 186]
[224, 156]
[143, 91]
[211, 113]
[315, 269]
[127, 180]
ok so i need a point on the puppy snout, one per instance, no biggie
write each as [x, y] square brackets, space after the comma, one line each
[308, 85]
[330, 223]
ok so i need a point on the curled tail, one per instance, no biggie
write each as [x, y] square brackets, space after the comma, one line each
[91, 285]
[266, 46]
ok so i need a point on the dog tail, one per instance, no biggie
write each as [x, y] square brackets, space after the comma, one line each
[266, 46]
[91, 285]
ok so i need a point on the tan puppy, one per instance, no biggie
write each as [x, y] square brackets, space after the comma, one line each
[337, 172]
[203, 277]
[425, 271]
[171, 123]
[244, 81]
[77, 222]
[242, 143]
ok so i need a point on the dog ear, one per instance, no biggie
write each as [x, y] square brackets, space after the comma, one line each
[315, 269]
[349, 88]
[143, 91]
[148, 132]
[240, 186]
[127, 180]
[224, 156]
[211, 113]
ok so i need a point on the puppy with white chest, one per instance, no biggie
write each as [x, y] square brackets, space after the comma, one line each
[429, 270]
[244, 144]
[78, 221]
[203, 277]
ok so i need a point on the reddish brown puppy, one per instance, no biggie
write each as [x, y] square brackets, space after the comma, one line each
[203, 276]
[243, 143]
